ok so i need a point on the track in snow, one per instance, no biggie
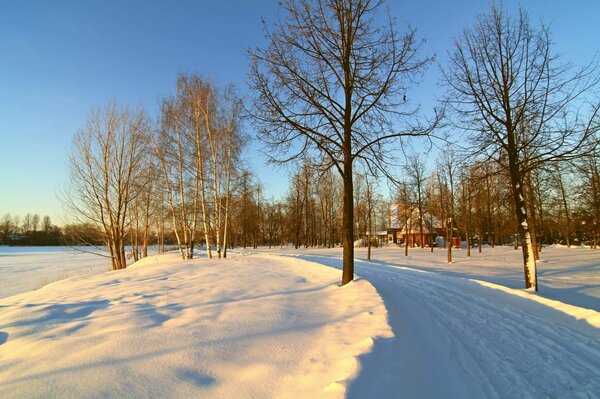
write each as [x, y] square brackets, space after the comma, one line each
[456, 338]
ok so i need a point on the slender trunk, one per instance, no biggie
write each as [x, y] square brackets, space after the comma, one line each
[431, 238]
[468, 242]
[565, 205]
[369, 206]
[489, 210]
[449, 244]
[408, 227]
[146, 226]
[227, 195]
[420, 216]
[204, 209]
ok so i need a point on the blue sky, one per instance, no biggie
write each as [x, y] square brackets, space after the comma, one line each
[58, 59]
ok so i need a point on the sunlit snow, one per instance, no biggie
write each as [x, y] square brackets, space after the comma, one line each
[273, 323]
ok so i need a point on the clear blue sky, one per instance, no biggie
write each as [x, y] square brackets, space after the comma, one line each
[60, 58]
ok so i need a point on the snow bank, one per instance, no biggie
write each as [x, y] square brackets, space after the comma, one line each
[251, 326]
[590, 316]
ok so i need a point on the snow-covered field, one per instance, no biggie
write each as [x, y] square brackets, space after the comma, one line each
[251, 327]
[260, 325]
[24, 269]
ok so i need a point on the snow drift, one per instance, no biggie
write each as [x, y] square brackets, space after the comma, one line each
[247, 327]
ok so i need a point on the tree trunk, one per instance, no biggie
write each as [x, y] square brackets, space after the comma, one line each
[431, 238]
[529, 266]
[348, 220]
[449, 242]
[369, 210]
[565, 205]
[468, 242]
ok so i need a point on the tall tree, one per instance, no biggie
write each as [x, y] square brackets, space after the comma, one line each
[415, 168]
[447, 175]
[331, 82]
[7, 227]
[104, 162]
[504, 80]
[589, 194]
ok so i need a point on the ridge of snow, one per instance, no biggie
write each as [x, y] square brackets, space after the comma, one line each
[588, 315]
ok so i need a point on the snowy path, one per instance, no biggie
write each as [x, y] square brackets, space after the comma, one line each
[455, 338]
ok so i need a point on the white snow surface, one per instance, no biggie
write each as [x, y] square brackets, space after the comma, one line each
[247, 327]
[274, 323]
[24, 269]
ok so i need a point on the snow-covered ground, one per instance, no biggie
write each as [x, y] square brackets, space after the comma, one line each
[260, 325]
[24, 269]
[462, 338]
[248, 327]
[570, 275]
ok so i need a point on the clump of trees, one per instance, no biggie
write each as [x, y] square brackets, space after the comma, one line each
[106, 166]
[137, 182]
[197, 154]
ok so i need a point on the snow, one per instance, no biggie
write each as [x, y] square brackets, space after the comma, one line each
[274, 323]
[251, 326]
[458, 338]
[24, 269]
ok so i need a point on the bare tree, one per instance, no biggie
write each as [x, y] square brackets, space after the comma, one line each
[369, 211]
[26, 223]
[172, 144]
[504, 80]
[35, 222]
[416, 171]
[104, 162]
[589, 194]
[332, 83]
[447, 173]
[404, 211]
[8, 226]
[46, 224]
[233, 142]
[328, 199]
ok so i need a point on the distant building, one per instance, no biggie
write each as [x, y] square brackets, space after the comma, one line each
[409, 231]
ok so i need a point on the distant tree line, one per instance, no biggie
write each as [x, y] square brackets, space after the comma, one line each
[29, 230]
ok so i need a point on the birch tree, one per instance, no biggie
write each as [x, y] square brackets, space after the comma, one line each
[105, 159]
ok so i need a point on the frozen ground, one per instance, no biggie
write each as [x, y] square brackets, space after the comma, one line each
[24, 269]
[265, 326]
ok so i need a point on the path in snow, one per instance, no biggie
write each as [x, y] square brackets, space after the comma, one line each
[455, 338]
